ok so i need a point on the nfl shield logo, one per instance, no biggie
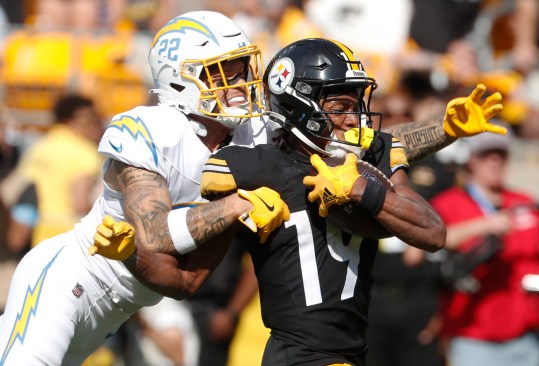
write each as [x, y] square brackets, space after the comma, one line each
[78, 291]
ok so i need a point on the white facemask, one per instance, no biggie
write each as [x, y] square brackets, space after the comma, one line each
[339, 150]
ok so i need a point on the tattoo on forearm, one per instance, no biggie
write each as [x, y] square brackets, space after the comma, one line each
[421, 139]
[153, 216]
[207, 221]
[147, 205]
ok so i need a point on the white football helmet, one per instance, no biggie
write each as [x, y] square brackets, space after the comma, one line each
[186, 47]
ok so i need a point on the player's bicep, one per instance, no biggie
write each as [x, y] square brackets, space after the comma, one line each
[147, 203]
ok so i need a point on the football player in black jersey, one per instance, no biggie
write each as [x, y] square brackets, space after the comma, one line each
[315, 278]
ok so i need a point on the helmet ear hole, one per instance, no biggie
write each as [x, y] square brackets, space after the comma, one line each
[179, 88]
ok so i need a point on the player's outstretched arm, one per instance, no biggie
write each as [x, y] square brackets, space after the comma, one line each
[179, 276]
[465, 117]
[208, 228]
[403, 212]
[148, 207]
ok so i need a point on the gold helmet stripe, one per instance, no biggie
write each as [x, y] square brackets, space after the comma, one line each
[349, 54]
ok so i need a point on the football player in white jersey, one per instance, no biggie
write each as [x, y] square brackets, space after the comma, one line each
[63, 303]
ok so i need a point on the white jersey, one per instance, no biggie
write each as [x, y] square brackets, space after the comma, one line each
[159, 139]
[59, 283]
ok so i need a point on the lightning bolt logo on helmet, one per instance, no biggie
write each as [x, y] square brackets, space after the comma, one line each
[181, 24]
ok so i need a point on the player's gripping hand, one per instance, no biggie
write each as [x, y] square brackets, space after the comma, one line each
[468, 116]
[332, 184]
[114, 239]
[268, 213]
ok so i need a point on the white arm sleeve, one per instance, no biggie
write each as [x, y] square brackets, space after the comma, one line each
[179, 232]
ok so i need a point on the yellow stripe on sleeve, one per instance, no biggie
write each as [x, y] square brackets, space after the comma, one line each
[214, 161]
[216, 183]
[398, 155]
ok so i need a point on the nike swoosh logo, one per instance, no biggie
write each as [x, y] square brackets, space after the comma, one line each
[270, 208]
[118, 148]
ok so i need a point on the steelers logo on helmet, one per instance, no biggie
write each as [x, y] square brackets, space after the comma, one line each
[281, 75]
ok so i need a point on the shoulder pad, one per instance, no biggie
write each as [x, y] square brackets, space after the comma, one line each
[137, 137]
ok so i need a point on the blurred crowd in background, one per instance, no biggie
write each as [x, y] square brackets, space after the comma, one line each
[68, 66]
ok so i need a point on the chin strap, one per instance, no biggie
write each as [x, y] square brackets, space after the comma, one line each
[198, 127]
[309, 143]
[166, 98]
[275, 120]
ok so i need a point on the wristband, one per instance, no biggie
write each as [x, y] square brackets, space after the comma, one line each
[179, 232]
[373, 198]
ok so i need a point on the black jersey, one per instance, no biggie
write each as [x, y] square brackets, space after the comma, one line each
[314, 280]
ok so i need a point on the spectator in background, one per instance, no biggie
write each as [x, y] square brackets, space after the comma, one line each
[16, 11]
[489, 41]
[18, 210]
[494, 319]
[7, 259]
[4, 28]
[144, 15]
[476, 36]
[367, 27]
[162, 335]
[64, 166]
[274, 24]
[9, 152]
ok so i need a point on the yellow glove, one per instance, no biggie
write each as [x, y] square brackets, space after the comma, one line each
[268, 213]
[468, 116]
[332, 184]
[114, 239]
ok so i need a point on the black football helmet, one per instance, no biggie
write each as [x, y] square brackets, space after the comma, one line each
[302, 73]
